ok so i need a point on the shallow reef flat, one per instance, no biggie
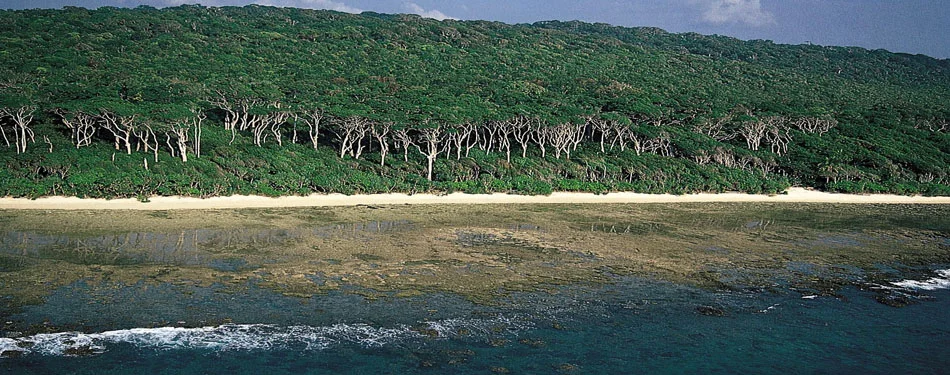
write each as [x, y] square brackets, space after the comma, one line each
[480, 252]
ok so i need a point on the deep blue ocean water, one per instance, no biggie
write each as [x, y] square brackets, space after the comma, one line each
[633, 326]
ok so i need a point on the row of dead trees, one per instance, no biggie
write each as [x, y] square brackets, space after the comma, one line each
[180, 137]
[353, 136]
[774, 131]
[728, 158]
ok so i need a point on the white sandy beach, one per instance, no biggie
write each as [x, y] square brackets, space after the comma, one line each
[793, 195]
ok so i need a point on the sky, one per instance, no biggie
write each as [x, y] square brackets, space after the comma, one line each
[910, 26]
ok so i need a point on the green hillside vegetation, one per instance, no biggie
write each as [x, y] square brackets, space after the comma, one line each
[205, 101]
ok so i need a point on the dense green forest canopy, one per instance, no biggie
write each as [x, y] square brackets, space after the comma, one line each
[208, 101]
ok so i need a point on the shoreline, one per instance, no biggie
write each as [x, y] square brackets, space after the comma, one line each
[792, 195]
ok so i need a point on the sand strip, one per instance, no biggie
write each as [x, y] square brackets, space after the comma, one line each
[793, 195]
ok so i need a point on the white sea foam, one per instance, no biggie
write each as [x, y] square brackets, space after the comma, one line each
[248, 337]
[770, 308]
[479, 327]
[9, 346]
[942, 281]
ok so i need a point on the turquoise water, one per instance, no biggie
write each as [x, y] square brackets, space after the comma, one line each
[632, 326]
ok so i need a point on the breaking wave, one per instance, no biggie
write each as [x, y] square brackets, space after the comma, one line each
[942, 281]
[250, 337]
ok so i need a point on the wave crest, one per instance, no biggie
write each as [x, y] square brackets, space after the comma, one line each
[249, 337]
[942, 281]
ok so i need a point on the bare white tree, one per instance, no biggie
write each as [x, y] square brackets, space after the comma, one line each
[503, 130]
[541, 137]
[350, 133]
[716, 128]
[637, 140]
[660, 145]
[82, 126]
[403, 139]
[562, 137]
[146, 140]
[779, 134]
[521, 129]
[196, 123]
[460, 138]
[816, 125]
[753, 131]
[20, 118]
[724, 157]
[431, 141]
[602, 128]
[177, 136]
[381, 133]
[313, 118]
[622, 135]
[487, 142]
[121, 127]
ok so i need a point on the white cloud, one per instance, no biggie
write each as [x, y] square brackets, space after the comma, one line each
[432, 13]
[747, 12]
[311, 4]
[327, 4]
